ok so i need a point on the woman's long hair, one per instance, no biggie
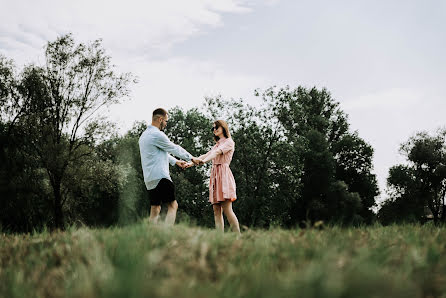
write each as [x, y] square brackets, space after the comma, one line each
[224, 126]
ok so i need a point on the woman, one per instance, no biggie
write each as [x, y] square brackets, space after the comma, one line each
[222, 183]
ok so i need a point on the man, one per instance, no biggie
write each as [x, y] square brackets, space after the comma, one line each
[154, 147]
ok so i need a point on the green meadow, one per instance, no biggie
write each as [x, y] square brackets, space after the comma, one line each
[188, 261]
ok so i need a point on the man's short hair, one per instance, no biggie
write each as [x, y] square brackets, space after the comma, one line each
[159, 113]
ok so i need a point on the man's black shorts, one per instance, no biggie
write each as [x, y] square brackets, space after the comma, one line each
[164, 192]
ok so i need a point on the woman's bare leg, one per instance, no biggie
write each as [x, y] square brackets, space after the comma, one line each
[218, 217]
[230, 215]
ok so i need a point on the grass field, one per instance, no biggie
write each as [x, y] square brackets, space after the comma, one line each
[155, 261]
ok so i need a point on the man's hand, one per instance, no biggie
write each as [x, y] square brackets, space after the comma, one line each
[181, 163]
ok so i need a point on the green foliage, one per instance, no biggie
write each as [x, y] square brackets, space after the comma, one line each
[24, 186]
[154, 261]
[353, 166]
[421, 183]
[123, 152]
[295, 162]
[312, 122]
[54, 108]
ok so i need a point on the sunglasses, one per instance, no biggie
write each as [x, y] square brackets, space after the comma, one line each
[214, 128]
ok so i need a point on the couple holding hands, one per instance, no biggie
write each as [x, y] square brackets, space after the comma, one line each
[156, 154]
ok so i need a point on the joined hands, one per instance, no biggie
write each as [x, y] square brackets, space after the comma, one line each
[197, 161]
[181, 163]
[194, 161]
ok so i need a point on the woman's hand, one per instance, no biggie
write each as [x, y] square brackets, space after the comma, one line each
[197, 161]
[188, 165]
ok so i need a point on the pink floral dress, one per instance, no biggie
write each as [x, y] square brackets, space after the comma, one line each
[222, 183]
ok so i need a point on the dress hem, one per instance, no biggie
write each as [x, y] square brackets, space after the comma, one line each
[231, 199]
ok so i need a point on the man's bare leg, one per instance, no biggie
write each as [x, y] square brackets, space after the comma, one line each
[154, 214]
[230, 215]
[172, 208]
[218, 217]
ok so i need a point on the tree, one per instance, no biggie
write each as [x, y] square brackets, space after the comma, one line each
[353, 166]
[317, 178]
[12, 105]
[312, 120]
[22, 183]
[422, 182]
[404, 203]
[58, 105]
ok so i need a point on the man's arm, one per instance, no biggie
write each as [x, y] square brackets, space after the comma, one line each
[172, 160]
[163, 142]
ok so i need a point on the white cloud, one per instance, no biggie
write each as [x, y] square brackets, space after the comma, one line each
[136, 34]
[137, 27]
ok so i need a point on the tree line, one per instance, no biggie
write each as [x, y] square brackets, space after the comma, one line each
[296, 160]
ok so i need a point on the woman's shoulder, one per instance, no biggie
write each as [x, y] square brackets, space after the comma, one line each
[230, 141]
[227, 141]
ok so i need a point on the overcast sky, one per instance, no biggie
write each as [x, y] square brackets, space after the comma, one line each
[384, 61]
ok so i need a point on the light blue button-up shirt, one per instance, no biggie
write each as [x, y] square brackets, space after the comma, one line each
[154, 147]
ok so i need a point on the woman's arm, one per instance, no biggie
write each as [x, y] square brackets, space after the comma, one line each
[205, 155]
[212, 154]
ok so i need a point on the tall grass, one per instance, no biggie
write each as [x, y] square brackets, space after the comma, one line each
[183, 261]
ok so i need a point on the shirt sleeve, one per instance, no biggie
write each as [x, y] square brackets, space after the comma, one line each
[172, 160]
[227, 146]
[163, 142]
